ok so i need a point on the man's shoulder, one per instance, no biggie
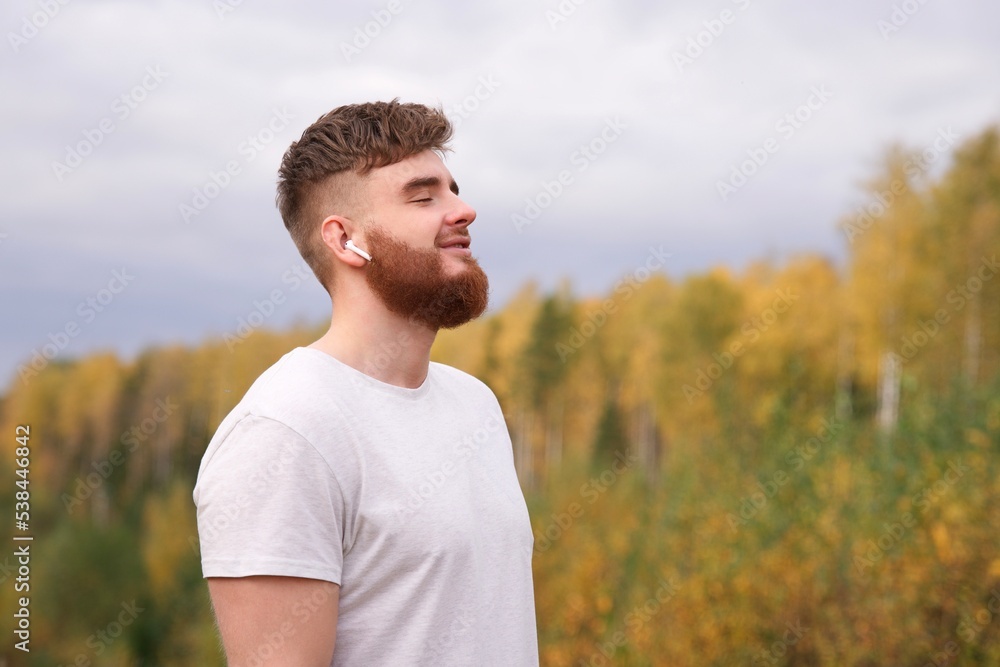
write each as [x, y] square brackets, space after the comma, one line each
[290, 388]
[459, 381]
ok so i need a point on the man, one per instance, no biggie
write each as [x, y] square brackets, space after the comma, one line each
[360, 506]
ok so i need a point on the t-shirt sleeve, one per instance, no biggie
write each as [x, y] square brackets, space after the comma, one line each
[269, 504]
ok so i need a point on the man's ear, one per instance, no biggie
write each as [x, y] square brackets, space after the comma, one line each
[336, 230]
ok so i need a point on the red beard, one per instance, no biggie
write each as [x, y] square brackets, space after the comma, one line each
[411, 282]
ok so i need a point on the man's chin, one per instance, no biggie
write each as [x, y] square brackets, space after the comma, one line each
[463, 255]
[454, 264]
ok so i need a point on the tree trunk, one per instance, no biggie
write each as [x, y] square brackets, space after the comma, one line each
[889, 372]
[973, 341]
[522, 448]
[553, 437]
[845, 370]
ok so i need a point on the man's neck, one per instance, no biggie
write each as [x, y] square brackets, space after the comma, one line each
[380, 344]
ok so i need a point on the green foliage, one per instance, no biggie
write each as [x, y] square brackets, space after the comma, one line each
[610, 438]
[707, 312]
[85, 577]
[872, 560]
[543, 367]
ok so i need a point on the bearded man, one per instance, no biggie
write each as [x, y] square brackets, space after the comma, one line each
[360, 506]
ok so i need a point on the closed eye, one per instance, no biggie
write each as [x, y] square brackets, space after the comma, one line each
[417, 201]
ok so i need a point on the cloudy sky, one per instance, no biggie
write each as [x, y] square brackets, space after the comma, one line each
[141, 140]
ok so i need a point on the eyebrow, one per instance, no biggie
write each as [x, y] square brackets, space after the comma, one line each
[421, 182]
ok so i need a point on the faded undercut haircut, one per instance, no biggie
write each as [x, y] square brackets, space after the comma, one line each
[353, 138]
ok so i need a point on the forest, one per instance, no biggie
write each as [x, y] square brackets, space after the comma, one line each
[797, 463]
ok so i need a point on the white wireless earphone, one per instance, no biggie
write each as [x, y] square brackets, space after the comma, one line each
[356, 250]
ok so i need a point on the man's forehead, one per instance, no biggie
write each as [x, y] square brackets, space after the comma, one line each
[396, 176]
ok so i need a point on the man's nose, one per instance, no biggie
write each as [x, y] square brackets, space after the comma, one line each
[463, 215]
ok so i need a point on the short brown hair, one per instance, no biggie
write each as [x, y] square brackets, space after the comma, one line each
[353, 138]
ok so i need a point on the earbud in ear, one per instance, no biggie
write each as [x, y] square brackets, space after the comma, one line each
[356, 250]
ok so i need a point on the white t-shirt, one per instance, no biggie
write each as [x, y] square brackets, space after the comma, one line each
[406, 498]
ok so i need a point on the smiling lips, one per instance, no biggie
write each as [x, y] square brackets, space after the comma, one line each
[458, 243]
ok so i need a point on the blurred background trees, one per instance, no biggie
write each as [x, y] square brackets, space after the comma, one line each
[781, 424]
